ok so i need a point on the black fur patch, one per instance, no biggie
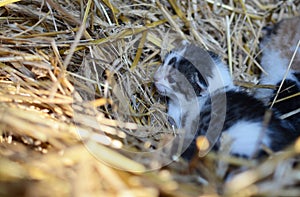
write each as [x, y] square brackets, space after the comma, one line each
[172, 61]
[297, 75]
[189, 71]
[289, 88]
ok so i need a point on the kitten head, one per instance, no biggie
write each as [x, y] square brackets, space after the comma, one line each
[178, 76]
[190, 71]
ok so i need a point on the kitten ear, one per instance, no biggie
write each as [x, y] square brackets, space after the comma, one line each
[172, 61]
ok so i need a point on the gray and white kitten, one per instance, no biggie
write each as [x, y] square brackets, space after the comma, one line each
[278, 47]
[202, 100]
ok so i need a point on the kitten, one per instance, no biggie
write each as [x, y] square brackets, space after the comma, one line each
[202, 100]
[278, 46]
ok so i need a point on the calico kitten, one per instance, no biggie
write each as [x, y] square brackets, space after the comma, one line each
[202, 100]
[278, 46]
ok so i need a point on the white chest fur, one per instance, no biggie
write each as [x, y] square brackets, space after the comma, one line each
[175, 112]
[247, 137]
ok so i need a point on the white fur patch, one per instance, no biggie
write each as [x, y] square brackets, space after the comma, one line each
[276, 67]
[221, 77]
[175, 112]
[246, 137]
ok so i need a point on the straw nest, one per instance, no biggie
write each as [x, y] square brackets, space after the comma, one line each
[78, 106]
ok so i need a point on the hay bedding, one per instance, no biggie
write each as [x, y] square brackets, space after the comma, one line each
[78, 106]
